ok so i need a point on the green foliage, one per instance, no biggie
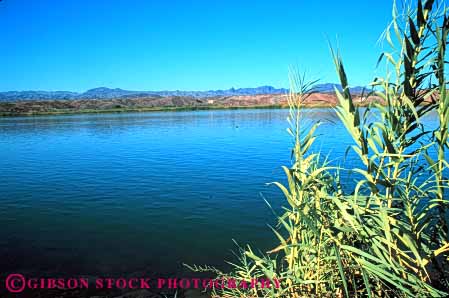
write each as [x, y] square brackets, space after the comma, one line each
[388, 235]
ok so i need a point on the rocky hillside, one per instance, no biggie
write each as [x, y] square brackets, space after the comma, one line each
[35, 107]
[117, 93]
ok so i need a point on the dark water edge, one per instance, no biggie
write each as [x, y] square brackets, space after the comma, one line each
[143, 110]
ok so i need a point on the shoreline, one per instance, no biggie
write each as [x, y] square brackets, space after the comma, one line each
[162, 109]
[163, 104]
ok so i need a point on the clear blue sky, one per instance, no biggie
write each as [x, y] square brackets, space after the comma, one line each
[183, 45]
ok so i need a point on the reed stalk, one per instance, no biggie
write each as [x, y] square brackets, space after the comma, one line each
[387, 236]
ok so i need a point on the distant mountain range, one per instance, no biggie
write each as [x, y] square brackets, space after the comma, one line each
[117, 93]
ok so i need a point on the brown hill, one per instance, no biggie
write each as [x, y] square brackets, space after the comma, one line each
[155, 103]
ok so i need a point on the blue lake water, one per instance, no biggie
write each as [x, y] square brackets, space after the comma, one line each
[99, 193]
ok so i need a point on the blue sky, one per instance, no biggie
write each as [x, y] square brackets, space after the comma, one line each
[184, 45]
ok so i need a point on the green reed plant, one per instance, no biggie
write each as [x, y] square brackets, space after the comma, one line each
[388, 235]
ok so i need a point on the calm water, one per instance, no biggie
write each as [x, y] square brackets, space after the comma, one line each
[91, 194]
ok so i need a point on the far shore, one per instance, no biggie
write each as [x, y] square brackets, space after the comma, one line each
[162, 109]
[160, 104]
